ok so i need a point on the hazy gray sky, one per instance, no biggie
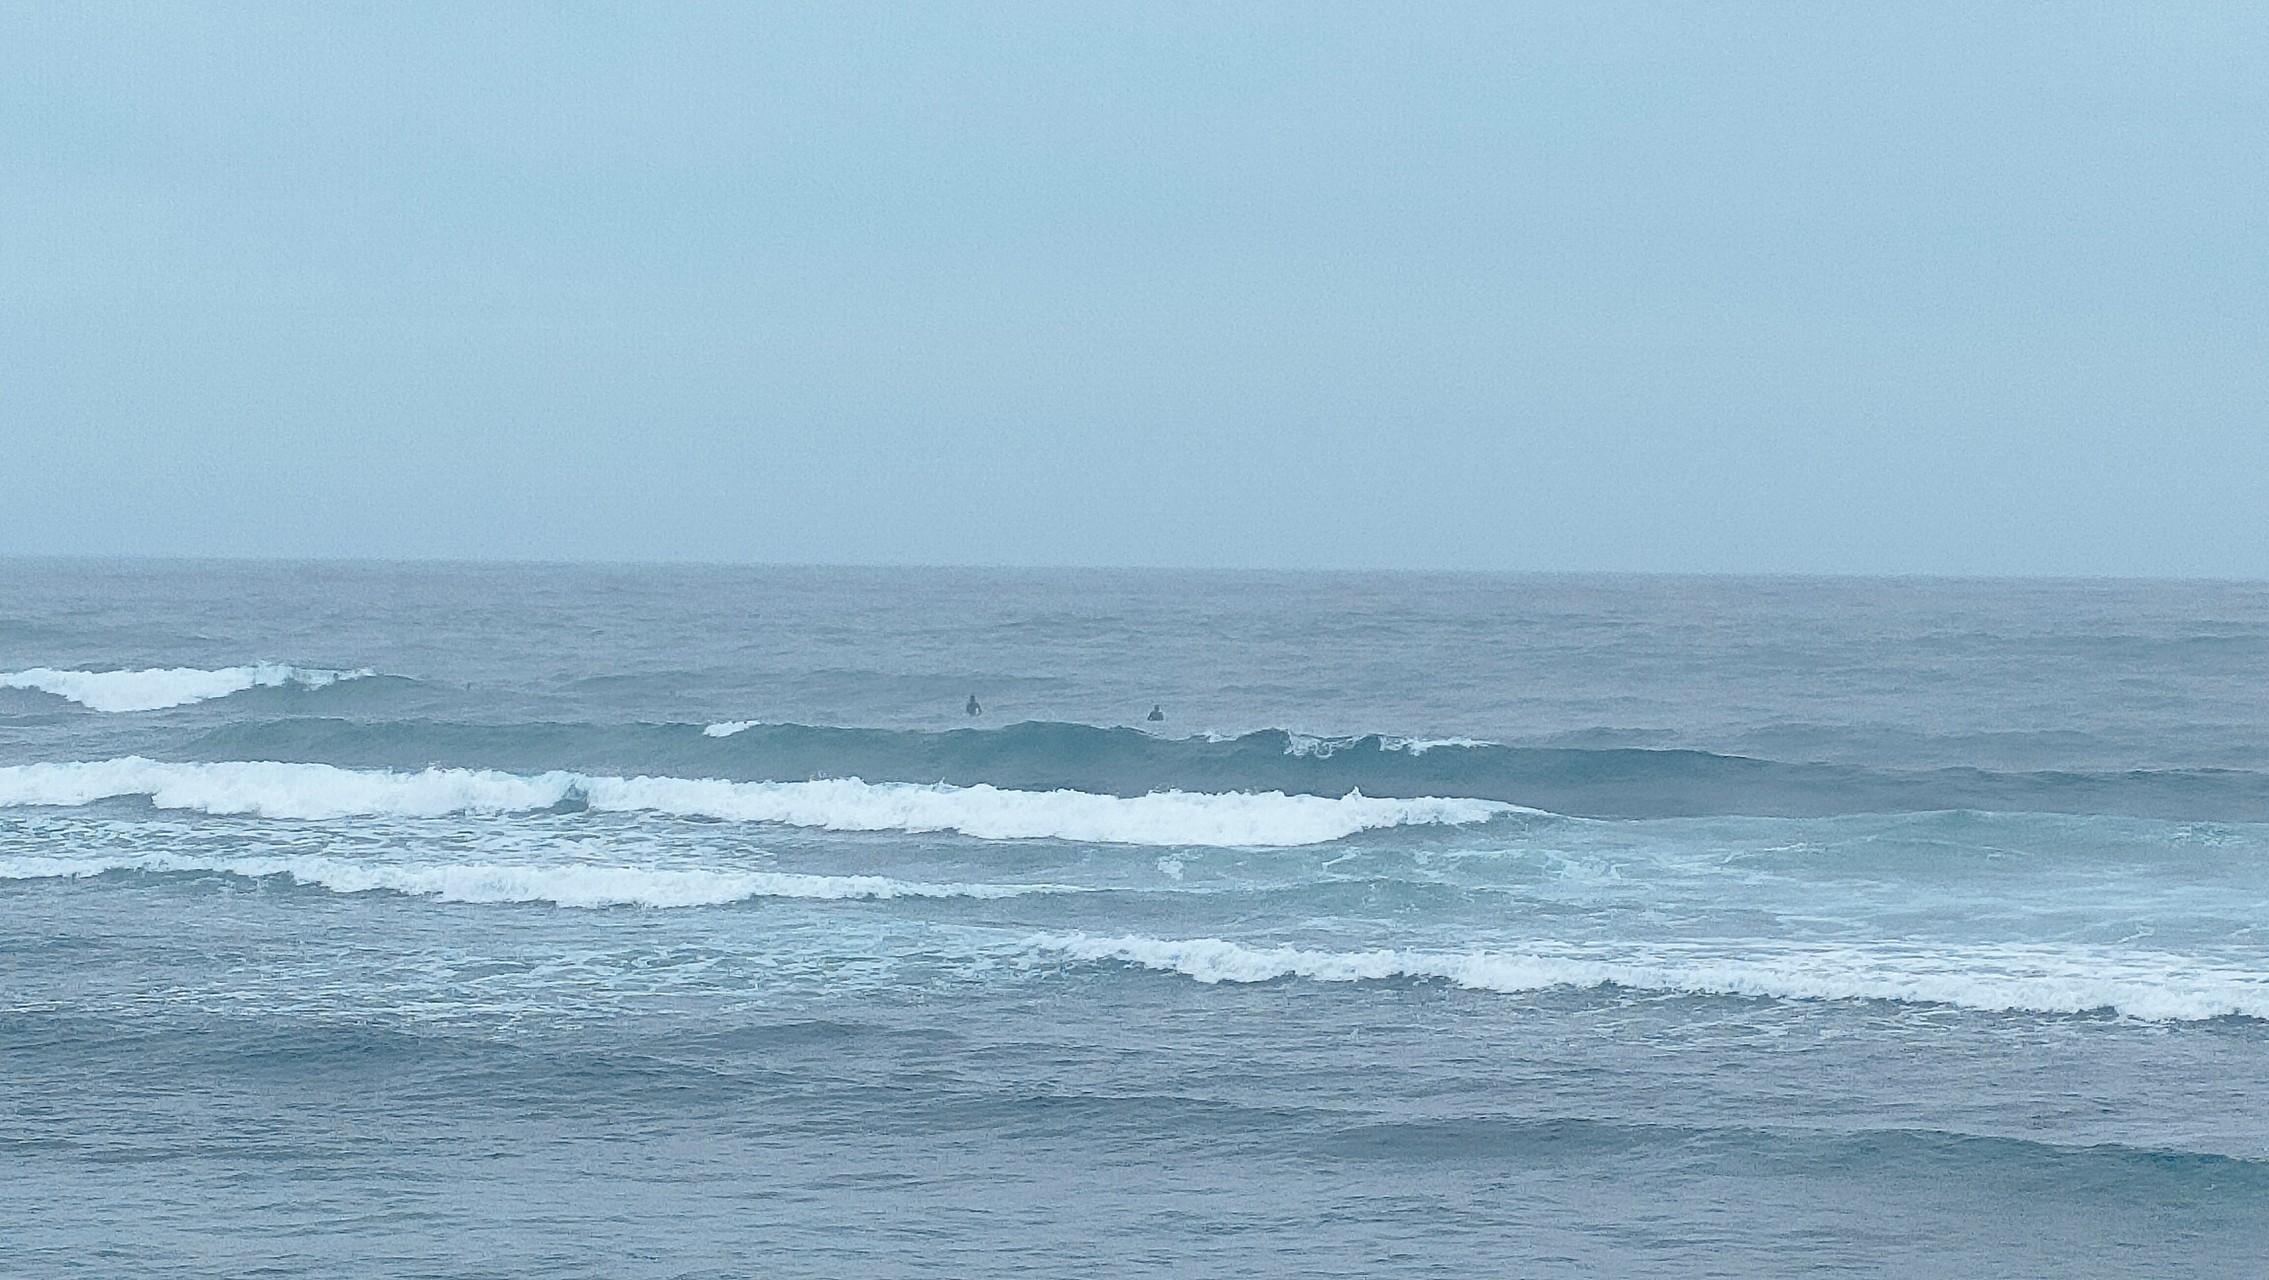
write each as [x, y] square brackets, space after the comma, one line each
[1902, 288]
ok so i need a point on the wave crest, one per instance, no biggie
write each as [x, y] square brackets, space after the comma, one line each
[156, 688]
[567, 885]
[2140, 985]
[1610, 782]
[1310, 746]
[320, 791]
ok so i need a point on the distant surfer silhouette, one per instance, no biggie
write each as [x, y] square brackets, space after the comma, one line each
[1156, 713]
[974, 709]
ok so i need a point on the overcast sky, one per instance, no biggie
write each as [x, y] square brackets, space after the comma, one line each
[1844, 288]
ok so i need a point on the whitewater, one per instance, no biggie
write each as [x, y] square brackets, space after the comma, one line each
[159, 688]
[308, 791]
[416, 920]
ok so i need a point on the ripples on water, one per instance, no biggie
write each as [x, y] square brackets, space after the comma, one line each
[567, 922]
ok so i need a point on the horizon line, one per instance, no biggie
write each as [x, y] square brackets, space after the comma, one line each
[629, 562]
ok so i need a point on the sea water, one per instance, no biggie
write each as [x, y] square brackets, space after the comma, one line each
[626, 922]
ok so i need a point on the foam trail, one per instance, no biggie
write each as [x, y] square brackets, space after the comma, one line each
[569, 885]
[1420, 746]
[2141, 985]
[318, 791]
[727, 728]
[1313, 747]
[156, 688]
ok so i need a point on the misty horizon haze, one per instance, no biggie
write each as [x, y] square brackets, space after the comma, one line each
[1736, 289]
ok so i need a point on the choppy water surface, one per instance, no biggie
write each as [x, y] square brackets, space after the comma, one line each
[630, 922]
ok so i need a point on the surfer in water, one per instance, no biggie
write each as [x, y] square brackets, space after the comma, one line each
[1157, 713]
[974, 709]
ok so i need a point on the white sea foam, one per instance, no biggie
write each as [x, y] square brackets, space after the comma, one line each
[317, 791]
[567, 885]
[2145, 985]
[1315, 747]
[727, 728]
[160, 687]
[1420, 746]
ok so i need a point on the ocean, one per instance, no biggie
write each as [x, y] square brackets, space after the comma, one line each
[617, 921]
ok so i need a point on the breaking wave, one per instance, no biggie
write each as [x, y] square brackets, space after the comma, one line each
[156, 688]
[2143, 985]
[318, 791]
[565, 885]
[1312, 747]
[1043, 757]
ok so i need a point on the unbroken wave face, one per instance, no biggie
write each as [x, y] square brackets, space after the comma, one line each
[319, 791]
[156, 688]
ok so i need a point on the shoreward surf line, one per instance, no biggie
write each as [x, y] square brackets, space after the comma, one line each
[2137, 984]
[319, 791]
